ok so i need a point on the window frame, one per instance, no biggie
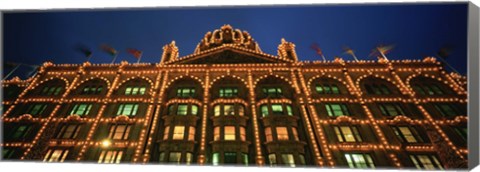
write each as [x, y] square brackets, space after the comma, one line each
[342, 137]
[368, 161]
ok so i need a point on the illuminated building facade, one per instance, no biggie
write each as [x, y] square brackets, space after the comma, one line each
[230, 103]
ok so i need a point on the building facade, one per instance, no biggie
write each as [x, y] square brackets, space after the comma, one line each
[229, 103]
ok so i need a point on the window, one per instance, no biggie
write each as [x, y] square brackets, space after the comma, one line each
[230, 158]
[446, 110]
[277, 109]
[119, 131]
[81, 109]
[347, 134]
[228, 92]
[21, 132]
[36, 109]
[327, 89]
[182, 109]
[288, 160]
[462, 131]
[407, 134]
[336, 110]
[245, 158]
[175, 157]
[55, 155]
[216, 133]
[282, 133]
[69, 131]
[185, 92]
[129, 109]
[378, 89]
[228, 109]
[428, 162]
[229, 133]
[272, 159]
[51, 90]
[7, 153]
[135, 90]
[359, 160]
[215, 158]
[189, 158]
[111, 156]
[272, 92]
[178, 132]
[92, 90]
[390, 109]
[427, 89]
[268, 134]
[242, 134]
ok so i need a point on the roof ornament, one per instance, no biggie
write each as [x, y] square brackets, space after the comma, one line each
[227, 35]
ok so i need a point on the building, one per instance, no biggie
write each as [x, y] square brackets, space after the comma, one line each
[230, 103]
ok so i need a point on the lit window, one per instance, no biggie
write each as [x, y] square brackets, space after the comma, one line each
[272, 92]
[347, 134]
[407, 134]
[111, 156]
[295, 134]
[335, 110]
[277, 109]
[175, 157]
[228, 109]
[228, 92]
[55, 155]
[188, 159]
[242, 134]
[390, 109]
[359, 160]
[272, 159]
[229, 133]
[215, 158]
[288, 160]
[282, 133]
[129, 109]
[191, 134]
[230, 158]
[327, 89]
[69, 131]
[178, 132]
[36, 109]
[135, 90]
[446, 110]
[245, 158]
[21, 131]
[216, 133]
[268, 134]
[165, 133]
[427, 162]
[92, 90]
[81, 109]
[119, 132]
[182, 109]
[185, 92]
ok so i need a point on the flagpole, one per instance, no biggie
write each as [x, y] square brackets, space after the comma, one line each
[323, 57]
[381, 53]
[13, 70]
[138, 61]
[444, 61]
[88, 58]
[114, 58]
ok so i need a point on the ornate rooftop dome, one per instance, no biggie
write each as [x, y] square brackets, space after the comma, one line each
[227, 35]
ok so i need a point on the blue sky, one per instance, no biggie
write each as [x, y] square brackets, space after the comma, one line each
[416, 30]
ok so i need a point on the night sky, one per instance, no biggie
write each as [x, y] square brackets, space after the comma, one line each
[416, 31]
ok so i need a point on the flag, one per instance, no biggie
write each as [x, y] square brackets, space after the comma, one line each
[108, 49]
[136, 53]
[445, 51]
[317, 49]
[349, 51]
[385, 49]
[84, 50]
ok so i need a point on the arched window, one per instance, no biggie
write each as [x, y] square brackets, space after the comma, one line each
[429, 87]
[52, 88]
[134, 87]
[377, 86]
[276, 109]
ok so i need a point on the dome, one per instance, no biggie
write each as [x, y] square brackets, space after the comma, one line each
[227, 35]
